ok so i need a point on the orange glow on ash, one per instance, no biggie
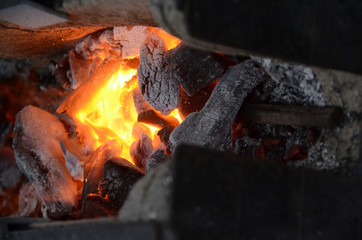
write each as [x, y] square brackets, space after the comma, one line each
[170, 41]
[111, 114]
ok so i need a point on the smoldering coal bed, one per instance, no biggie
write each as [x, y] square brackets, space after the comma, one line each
[260, 109]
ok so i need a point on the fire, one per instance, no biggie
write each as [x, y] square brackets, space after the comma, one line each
[111, 115]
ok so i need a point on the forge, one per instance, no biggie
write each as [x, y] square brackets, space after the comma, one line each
[139, 120]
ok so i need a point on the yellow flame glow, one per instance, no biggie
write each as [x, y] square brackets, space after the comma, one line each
[111, 114]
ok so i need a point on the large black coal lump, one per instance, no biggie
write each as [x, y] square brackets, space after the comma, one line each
[156, 81]
[195, 69]
[119, 177]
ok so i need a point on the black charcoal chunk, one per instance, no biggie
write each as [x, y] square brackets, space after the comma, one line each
[211, 126]
[155, 119]
[119, 177]
[156, 158]
[93, 168]
[140, 150]
[156, 81]
[195, 69]
[164, 134]
[96, 206]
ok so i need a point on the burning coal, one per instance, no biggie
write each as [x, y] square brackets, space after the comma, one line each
[129, 88]
[102, 126]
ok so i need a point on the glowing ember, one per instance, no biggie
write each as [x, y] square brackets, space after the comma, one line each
[111, 114]
[170, 41]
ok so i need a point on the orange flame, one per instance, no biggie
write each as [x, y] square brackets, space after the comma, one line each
[111, 114]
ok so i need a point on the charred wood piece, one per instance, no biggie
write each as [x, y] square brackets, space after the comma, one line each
[39, 157]
[156, 158]
[195, 69]
[119, 177]
[140, 150]
[152, 118]
[156, 81]
[210, 126]
[319, 117]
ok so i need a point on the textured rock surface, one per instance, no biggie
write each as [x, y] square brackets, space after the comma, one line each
[39, 157]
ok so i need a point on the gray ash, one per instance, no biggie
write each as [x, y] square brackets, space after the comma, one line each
[299, 146]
